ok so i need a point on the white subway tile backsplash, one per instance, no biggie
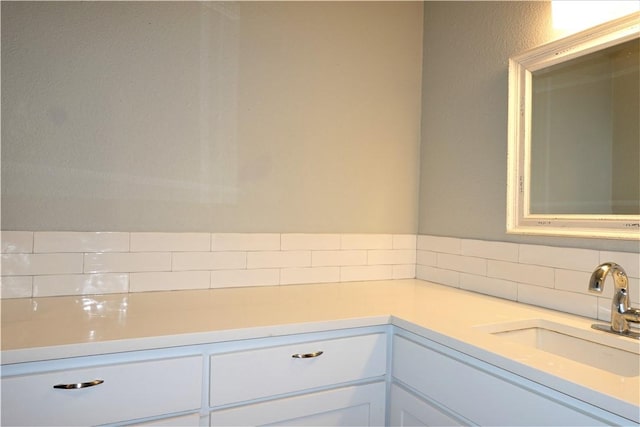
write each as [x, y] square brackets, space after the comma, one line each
[289, 276]
[569, 302]
[52, 242]
[462, 263]
[80, 284]
[521, 273]
[403, 271]
[170, 242]
[405, 241]
[426, 258]
[278, 259]
[547, 276]
[366, 241]
[438, 275]
[604, 309]
[566, 258]
[490, 286]
[295, 242]
[450, 245]
[490, 250]
[239, 278]
[183, 261]
[16, 241]
[47, 263]
[338, 258]
[604, 314]
[628, 260]
[38, 264]
[16, 286]
[391, 256]
[576, 281]
[245, 242]
[169, 281]
[128, 262]
[115, 261]
[634, 291]
[369, 272]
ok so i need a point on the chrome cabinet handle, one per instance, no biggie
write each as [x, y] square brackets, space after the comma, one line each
[307, 355]
[78, 385]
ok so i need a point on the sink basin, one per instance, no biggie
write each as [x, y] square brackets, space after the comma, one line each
[618, 355]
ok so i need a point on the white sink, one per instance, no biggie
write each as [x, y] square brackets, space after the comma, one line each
[615, 354]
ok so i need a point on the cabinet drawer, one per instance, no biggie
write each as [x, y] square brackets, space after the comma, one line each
[481, 394]
[263, 372]
[129, 391]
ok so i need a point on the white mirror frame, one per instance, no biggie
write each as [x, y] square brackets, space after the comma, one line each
[519, 218]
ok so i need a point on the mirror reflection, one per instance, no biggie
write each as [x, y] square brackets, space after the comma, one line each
[585, 134]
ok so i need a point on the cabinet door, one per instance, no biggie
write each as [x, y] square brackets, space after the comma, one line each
[484, 394]
[189, 420]
[362, 405]
[407, 409]
[128, 391]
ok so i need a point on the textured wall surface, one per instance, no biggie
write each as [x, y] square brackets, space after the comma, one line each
[190, 116]
[464, 133]
[464, 117]
[263, 117]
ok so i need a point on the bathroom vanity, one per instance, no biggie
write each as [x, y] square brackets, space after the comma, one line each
[403, 352]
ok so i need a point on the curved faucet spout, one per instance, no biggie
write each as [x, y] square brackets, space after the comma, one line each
[621, 311]
[596, 283]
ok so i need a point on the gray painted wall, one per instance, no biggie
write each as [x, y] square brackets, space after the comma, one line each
[284, 117]
[225, 117]
[463, 173]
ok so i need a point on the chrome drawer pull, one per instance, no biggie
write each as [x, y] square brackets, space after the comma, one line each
[306, 355]
[78, 385]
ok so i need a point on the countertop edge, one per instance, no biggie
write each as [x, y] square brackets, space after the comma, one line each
[99, 348]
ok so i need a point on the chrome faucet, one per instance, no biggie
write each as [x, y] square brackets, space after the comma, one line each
[621, 312]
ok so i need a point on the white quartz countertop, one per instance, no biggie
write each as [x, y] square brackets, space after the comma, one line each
[49, 328]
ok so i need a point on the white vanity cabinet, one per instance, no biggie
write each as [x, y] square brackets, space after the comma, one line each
[337, 381]
[364, 376]
[435, 385]
[114, 390]
[321, 378]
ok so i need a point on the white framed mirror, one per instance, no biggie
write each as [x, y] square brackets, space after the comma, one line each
[574, 135]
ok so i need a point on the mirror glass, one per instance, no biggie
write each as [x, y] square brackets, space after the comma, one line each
[585, 149]
[574, 137]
